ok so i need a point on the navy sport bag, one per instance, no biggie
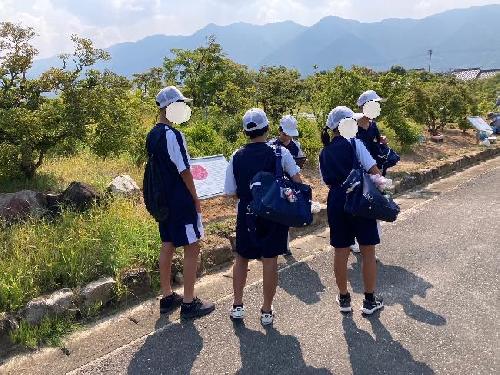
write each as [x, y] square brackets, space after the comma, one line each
[278, 199]
[363, 198]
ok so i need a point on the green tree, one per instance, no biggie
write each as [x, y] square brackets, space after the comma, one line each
[439, 101]
[327, 90]
[393, 87]
[209, 77]
[32, 124]
[150, 82]
[280, 90]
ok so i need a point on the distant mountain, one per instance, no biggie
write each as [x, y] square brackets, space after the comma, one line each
[458, 38]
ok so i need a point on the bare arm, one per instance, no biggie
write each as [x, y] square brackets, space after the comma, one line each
[187, 177]
[297, 178]
[374, 170]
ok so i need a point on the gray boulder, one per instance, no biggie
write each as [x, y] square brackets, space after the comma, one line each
[7, 324]
[60, 302]
[124, 185]
[80, 195]
[98, 292]
[22, 205]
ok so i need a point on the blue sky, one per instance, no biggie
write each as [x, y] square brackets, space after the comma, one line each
[111, 21]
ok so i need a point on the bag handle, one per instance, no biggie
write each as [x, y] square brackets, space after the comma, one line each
[279, 167]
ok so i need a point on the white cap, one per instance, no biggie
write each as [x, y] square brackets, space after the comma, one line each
[338, 114]
[368, 96]
[255, 119]
[289, 126]
[169, 95]
[358, 116]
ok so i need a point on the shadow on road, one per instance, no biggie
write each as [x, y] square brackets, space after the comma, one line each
[157, 354]
[271, 353]
[303, 282]
[380, 354]
[398, 286]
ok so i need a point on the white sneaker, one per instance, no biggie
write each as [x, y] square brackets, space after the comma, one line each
[237, 313]
[266, 318]
[355, 248]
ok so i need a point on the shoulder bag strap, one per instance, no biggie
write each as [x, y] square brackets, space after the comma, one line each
[356, 164]
[279, 167]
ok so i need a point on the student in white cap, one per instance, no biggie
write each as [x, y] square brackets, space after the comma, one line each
[368, 132]
[288, 129]
[336, 161]
[269, 239]
[167, 149]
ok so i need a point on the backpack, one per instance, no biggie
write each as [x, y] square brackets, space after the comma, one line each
[155, 188]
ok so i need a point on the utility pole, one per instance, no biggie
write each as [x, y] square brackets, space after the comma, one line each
[430, 59]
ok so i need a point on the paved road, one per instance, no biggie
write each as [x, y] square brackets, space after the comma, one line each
[438, 275]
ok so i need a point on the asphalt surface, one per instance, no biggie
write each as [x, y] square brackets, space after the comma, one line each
[438, 275]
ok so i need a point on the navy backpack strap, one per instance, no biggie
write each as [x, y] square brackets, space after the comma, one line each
[279, 167]
[157, 141]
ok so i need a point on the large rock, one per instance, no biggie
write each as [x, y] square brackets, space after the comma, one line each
[7, 324]
[80, 195]
[60, 302]
[22, 205]
[124, 185]
[98, 292]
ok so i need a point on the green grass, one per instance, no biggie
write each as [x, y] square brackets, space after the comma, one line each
[49, 332]
[57, 173]
[39, 257]
[223, 228]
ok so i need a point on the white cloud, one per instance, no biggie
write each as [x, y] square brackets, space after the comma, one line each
[111, 21]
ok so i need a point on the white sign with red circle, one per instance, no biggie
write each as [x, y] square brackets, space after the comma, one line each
[209, 174]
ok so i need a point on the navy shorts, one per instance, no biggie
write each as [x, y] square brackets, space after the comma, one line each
[181, 233]
[344, 228]
[270, 241]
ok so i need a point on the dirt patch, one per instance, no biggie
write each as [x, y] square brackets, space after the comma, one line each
[218, 208]
[430, 154]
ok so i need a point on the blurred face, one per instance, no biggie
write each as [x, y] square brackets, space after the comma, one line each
[348, 128]
[371, 109]
[178, 113]
[285, 138]
[364, 122]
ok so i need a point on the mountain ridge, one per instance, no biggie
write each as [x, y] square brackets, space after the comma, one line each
[458, 37]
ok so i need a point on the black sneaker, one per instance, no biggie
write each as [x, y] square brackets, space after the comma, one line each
[196, 309]
[369, 307]
[170, 303]
[344, 303]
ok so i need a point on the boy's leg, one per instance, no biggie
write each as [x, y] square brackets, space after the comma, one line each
[166, 255]
[288, 251]
[191, 253]
[270, 281]
[340, 268]
[369, 268]
[240, 270]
